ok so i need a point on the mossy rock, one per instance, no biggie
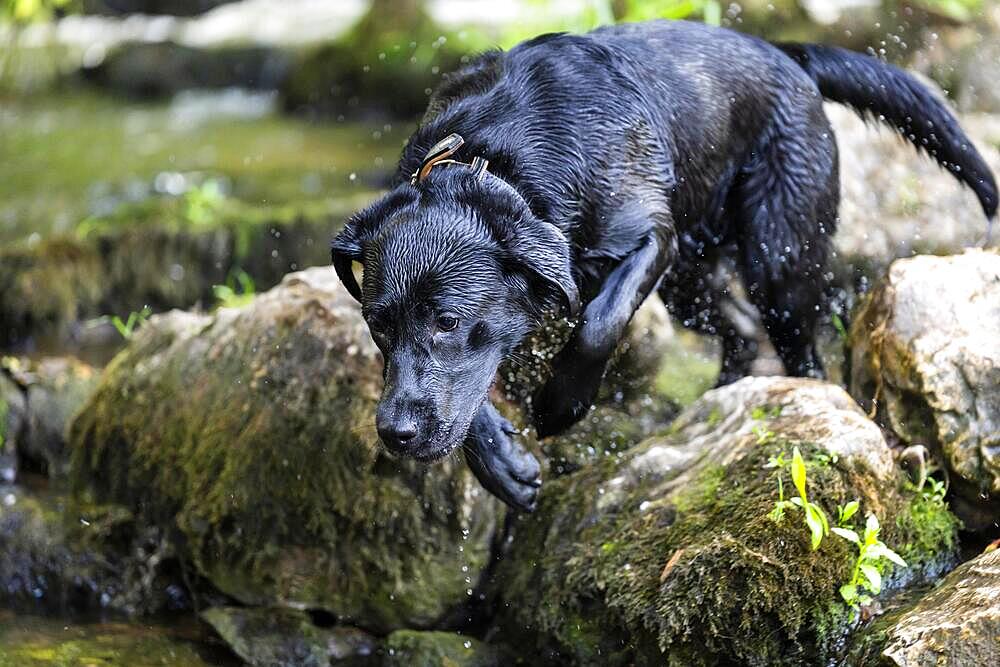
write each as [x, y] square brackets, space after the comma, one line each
[925, 354]
[666, 554]
[408, 648]
[251, 432]
[43, 566]
[50, 390]
[288, 638]
[386, 65]
[163, 253]
[956, 623]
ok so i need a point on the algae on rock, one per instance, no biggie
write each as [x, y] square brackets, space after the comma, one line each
[925, 353]
[251, 431]
[666, 552]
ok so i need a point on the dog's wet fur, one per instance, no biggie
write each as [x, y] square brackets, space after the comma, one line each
[629, 159]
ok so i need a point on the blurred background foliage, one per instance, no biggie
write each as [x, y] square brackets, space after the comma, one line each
[105, 103]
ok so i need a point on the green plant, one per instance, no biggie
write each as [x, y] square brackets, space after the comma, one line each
[838, 324]
[202, 203]
[128, 326]
[815, 517]
[764, 434]
[873, 555]
[845, 512]
[643, 10]
[238, 291]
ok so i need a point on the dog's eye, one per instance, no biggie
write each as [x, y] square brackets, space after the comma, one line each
[447, 322]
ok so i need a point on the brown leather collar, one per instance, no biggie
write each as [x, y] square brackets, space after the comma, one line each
[439, 153]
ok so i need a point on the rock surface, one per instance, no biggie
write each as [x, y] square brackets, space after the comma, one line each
[287, 638]
[250, 431]
[44, 395]
[667, 553]
[925, 349]
[896, 202]
[956, 623]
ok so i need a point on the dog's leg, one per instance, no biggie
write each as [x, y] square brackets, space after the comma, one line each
[501, 464]
[788, 209]
[579, 367]
[696, 293]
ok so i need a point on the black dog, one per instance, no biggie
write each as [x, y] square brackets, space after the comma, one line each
[619, 162]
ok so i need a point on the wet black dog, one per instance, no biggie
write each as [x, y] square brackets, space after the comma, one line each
[619, 162]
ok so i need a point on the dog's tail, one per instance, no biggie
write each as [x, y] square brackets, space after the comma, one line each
[877, 90]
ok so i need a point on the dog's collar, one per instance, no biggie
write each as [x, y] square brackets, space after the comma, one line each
[439, 153]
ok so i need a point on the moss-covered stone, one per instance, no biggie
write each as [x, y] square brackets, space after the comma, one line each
[163, 253]
[408, 648]
[251, 432]
[288, 638]
[925, 358]
[42, 566]
[50, 391]
[666, 554]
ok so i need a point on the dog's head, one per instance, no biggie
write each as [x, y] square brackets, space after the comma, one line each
[456, 270]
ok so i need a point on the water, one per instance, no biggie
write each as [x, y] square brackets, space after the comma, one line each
[71, 155]
[28, 640]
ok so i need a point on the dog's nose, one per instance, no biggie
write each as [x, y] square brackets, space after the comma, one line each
[397, 433]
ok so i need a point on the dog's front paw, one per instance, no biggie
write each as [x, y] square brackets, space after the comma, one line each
[500, 463]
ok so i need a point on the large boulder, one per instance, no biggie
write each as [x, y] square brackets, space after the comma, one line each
[671, 552]
[957, 623]
[925, 354]
[250, 433]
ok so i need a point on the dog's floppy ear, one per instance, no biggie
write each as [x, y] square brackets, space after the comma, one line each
[539, 249]
[349, 245]
[345, 249]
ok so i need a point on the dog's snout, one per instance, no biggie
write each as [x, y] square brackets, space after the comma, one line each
[397, 431]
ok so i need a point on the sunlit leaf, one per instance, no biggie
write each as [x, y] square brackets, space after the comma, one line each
[850, 509]
[847, 534]
[849, 592]
[799, 472]
[874, 578]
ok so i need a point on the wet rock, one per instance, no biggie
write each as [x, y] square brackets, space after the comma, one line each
[407, 648]
[41, 566]
[288, 638]
[162, 69]
[12, 418]
[925, 352]
[670, 552]
[159, 254]
[896, 202]
[251, 433]
[957, 623]
[52, 389]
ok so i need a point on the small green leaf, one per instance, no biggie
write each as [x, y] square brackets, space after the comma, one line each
[879, 550]
[874, 578]
[847, 534]
[799, 472]
[815, 528]
[849, 510]
[849, 592]
[871, 529]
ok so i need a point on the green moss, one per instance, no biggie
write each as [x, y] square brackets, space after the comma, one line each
[259, 449]
[440, 649]
[686, 567]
